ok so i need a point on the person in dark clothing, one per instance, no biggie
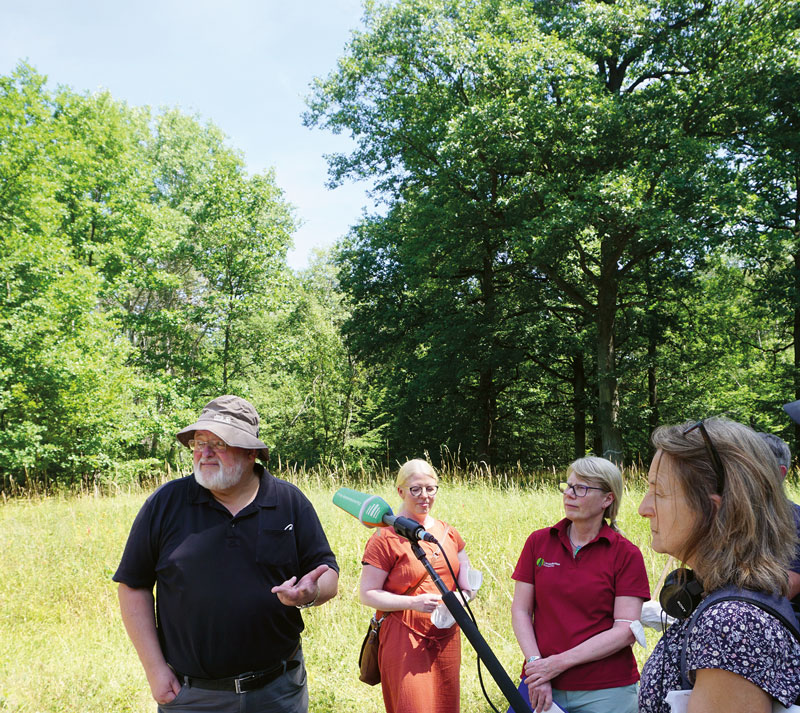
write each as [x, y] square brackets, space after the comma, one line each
[234, 554]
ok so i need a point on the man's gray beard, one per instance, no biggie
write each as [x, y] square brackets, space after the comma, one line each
[224, 478]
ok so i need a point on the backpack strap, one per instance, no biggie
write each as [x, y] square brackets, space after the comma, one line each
[776, 606]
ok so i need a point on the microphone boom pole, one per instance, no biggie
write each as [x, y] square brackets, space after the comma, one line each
[474, 636]
[374, 511]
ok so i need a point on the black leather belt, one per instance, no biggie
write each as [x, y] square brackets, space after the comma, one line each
[244, 682]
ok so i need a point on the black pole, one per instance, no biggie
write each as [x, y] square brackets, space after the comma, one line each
[485, 654]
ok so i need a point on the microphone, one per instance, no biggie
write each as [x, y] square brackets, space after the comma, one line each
[374, 511]
[408, 528]
[369, 510]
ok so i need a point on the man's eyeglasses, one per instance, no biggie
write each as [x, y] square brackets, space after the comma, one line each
[578, 490]
[198, 444]
[713, 454]
[416, 490]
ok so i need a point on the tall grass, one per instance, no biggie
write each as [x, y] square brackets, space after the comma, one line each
[63, 647]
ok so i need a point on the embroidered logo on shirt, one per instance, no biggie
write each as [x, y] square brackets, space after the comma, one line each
[290, 526]
[541, 563]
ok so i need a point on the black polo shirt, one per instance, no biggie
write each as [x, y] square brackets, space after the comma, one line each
[213, 572]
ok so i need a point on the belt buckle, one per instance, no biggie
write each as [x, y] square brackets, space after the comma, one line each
[237, 682]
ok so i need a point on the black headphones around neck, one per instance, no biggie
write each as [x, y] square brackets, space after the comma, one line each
[681, 593]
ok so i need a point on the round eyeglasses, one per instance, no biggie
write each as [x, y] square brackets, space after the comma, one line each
[416, 490]
[199, 444]
[578, 489]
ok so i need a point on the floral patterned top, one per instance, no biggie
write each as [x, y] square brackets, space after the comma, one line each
[731, 635]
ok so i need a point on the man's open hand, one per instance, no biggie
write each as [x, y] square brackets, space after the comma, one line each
[294, 593]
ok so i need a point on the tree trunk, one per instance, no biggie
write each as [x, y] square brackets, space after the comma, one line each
[487, 396]
[607, 388]
[578, 407]
[488, 409]
[652, 354]
[652, 383]
[796, 335]
[796, 297]
[225, 355]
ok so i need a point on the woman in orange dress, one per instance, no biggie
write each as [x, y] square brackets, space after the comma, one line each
[419, 662]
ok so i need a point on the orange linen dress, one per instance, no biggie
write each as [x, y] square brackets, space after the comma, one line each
[419, 663]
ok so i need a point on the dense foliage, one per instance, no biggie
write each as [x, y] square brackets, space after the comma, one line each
[591, 226]
[593, 219]
[144, 272]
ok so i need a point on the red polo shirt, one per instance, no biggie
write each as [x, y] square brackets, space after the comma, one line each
[574, 599]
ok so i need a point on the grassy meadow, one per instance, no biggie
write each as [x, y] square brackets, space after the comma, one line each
[63, 647]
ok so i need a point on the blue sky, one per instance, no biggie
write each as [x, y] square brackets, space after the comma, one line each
[246, 65]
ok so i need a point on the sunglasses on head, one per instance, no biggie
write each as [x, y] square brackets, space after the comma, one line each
[713, 453]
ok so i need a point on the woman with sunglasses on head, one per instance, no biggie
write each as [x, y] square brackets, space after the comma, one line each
[578, 587]
[419, 663]
[715, 501]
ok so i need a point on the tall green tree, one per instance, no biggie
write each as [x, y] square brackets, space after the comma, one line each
[411, 92]
[137, 260]
[317, 402]
[765, 227]
[572, 145]
[66, 393]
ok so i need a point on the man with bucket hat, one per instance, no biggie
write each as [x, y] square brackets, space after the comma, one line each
[236, 554]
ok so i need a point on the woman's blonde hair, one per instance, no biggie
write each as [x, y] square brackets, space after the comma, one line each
[749, 539]
[412, 467]
[603, 474]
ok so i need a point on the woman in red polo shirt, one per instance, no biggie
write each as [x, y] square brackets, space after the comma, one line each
[579, 585]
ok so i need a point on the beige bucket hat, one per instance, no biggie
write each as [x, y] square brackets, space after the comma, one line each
[234, 420]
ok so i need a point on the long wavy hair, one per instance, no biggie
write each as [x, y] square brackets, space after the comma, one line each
[749, 539]
[603, 474]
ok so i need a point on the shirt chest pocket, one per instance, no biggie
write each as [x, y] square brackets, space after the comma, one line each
[277, 551]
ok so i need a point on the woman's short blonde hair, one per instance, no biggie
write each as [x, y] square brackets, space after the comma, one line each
[413, 467]
[749, 539]
[603, 474]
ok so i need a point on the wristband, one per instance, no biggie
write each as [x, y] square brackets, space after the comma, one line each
[309, 604]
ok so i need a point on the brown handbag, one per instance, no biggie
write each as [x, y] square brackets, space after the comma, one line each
[369, 672]
[368, 658]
